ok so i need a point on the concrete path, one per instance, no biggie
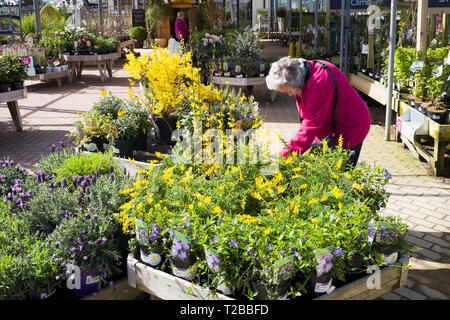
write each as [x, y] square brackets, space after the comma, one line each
[421, 200]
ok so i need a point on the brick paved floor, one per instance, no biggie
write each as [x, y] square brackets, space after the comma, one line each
[422, 201]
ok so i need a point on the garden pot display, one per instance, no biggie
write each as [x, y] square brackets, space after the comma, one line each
[437, 115]
[180, 259]
[89, 283]
[123, 149]
[420, 107]
[390, 253]
[411, 102]
[44, 294]
[213, 262]
[5, 87]
[151, 256]
[163, 129]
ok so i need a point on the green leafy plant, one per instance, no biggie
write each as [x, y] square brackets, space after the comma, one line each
[138, 33]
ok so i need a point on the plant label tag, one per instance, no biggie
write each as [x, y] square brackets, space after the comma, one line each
[92, 279]
[181, 237]
[92, 147]
[45, 295]
[365, 48]
[386, 233]
[392, 258]
[332, 288]
[29, 63]
[141, 232]
[284, 267]
[323, 287]
[437, 71]
[435, 117]
[416, 66]
[447, 60]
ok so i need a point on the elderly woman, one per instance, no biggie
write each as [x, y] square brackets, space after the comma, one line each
[313, 84]
[181, 28]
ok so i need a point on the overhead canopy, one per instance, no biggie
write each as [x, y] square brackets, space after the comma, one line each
[182, 3]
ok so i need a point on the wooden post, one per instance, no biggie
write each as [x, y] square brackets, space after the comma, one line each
[445, 26]
[422, 13]
[433, 26]
[15, 114]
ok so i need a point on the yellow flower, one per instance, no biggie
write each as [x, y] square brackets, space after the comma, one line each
[347, 175]
[281, 189]
[217, 210]
[339, 164]
[314, 220]
[340, 206]
[304, 186]
[268, 231]
[191, 206]
[120, 112]
[207, 200]
[324, 198]
[294, 153]
[297, 169]
[243, 204]
[312, 201]
[356, 186]
[126, 191]
[103, 93]
[336, 193]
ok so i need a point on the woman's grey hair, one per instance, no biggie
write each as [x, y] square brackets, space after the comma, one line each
[286, 71]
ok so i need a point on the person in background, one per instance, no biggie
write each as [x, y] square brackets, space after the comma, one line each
[313, 87]
[181, 28]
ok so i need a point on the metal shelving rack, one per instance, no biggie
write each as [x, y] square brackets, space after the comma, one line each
[9, 12]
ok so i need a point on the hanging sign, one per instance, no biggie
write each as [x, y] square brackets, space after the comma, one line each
[438, 3]
[362, 4]
[28, 62]
[138, 17]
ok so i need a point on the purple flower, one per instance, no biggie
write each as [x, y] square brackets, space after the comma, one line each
[350, 213]
[86, 257]
[297, 255]
[184, 246]
[58, 278]
[233, 243]
[328, 267]
[387, 175]
[183, 255]
[215, 239]
[328, 257]
[57, 244]
[332, 217]
[338, 252]
[84, 231]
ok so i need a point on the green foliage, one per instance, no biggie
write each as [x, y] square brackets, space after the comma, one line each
[83, 164]
[47, 24]
[246, 44]
[138, 33]
[12, 69]
[10, 174]
[157, 10]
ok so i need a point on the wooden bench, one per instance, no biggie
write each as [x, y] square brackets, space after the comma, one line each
[11, 100]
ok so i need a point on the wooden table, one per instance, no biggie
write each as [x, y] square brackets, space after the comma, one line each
[11, 100]
[247, 83]
[58, 76]
[104, 62]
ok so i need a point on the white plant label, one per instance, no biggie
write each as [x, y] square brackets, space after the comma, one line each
[323, 287]
[365, 48]
[92, 279]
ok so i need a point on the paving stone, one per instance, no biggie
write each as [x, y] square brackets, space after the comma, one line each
[417, 241]
[436, 240]
[422, 222]
[431, 293]
[391, 296]
[409, 294]
[439, 222]
[430, 254]
[441, 250]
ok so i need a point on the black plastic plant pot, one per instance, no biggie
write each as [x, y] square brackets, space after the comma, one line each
[5, 87]
[163, 129]
[440, 115]
[264, 291]
[411, 102]
[99, 142]
[417, 105]
[140, 143]
[17, 85]
[123, 149]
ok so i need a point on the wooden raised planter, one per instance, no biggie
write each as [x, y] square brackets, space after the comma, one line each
[168, 287]
[246, 83]
[104, 62]
[439, 132]
[11, 100]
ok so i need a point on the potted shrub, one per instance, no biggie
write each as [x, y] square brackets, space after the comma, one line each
[139, 34]
[93, 130]
[5, 80]
[87, 240]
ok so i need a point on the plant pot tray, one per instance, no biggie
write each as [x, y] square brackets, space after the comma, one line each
[164, 285]
[168, 287]
[243, 82]
[119, 291]
[367, 85]
[11, 100]
[439, 132]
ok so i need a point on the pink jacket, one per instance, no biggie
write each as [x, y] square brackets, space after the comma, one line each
[181, 28]
[316, 107]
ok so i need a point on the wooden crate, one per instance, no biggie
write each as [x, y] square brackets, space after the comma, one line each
[168, 287]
